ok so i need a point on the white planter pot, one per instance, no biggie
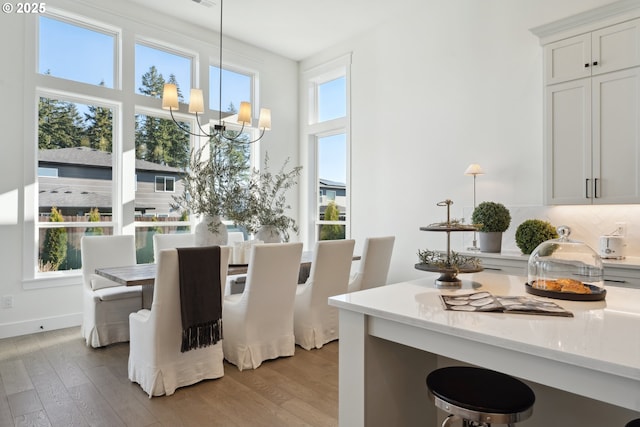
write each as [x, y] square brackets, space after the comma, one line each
[490, 241]
[206, 237]
[268, 234]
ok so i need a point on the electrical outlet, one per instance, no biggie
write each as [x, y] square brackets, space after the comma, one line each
[6, 301]
[621, 229]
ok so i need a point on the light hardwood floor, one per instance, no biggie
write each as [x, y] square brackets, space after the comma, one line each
[53, 379]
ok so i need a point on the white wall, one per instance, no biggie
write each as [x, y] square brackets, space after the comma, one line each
[51, 308]
[441, 85]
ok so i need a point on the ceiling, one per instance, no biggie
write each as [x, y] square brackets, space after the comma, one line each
[294, 29]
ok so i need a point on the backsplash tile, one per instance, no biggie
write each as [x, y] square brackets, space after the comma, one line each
[587, 223]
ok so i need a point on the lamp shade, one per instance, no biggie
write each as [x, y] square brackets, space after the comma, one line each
[264, 122]
[244, 115]
[170, 96]
[474, 169]
[196, 101]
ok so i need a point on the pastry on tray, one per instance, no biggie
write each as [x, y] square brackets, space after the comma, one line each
[562, 285]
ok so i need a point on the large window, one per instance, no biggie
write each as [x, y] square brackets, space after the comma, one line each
[328, 135]
[108, 160]
[75, 179]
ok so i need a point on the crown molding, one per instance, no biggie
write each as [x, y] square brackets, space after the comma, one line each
[589, 20]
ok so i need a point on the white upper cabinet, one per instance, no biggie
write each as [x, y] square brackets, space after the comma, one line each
[609, 49]
[592, 106]
[592, 153]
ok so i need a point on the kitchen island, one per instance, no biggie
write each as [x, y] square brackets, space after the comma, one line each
[585, 369]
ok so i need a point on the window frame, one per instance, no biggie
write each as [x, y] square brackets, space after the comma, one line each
[313, 130]
[125, 103]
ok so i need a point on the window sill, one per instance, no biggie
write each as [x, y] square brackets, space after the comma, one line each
[53, 281]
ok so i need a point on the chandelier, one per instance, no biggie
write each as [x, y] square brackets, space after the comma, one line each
[196, 106]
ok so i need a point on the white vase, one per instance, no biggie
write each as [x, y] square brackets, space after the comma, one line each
[206, 237]
[269, 234]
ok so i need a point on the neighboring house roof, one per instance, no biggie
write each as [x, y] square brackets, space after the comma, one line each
[72, 196]
[86, 156]
[328, 183]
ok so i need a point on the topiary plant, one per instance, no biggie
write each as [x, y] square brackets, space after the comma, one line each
[532, 232]
[491, 217]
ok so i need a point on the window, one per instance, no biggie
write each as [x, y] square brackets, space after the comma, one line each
[75, 177]
[328, 136]
[236, 87]
[332, 97]
[165, 184]
[64, 50]
[98, 171]
[48, 172]
[156, 66]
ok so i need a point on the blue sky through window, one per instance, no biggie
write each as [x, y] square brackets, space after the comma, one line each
[167, 64]
[332, 160]
[332, 150]
[332, 99]
[75, 53]
[236, 87]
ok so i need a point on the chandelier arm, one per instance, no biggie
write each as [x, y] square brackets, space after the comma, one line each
[255, 140]
[204, 132]
[185, 129]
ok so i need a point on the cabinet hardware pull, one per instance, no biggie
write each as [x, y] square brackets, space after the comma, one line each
[615, 281]
[586, 65]
[586, 188]
[595, 63]
[595, 188]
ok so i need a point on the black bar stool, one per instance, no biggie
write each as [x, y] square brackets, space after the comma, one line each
[480, 397]
[634, 423]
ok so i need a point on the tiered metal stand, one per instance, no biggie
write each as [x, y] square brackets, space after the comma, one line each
[448, 271]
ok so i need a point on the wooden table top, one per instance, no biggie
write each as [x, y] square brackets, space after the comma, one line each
[144, 274]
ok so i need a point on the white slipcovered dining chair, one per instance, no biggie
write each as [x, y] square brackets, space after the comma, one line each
[171, 241]
[258, 323]
[315, 323]
[374, 265]
[107, 304]
[156, 361]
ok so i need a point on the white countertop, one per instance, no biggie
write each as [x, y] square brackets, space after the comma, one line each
[602, 335]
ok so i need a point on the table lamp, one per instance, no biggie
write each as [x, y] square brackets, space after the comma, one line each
[474, 170]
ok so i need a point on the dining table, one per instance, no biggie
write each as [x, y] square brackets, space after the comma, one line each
[144, 274]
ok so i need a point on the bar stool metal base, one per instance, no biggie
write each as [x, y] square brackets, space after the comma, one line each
[479, 397]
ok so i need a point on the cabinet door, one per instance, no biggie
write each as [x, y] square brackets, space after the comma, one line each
[616, 137]
[616, 47]
[568, 143]
[568, 59]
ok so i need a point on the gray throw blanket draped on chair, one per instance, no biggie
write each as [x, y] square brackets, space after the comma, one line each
[200, 296]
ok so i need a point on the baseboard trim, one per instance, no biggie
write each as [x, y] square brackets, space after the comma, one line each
[32, 326]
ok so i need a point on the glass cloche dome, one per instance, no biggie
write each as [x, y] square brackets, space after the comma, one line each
[566, 269]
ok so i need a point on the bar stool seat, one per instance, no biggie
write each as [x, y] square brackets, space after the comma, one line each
[480, 396]
[634, 423]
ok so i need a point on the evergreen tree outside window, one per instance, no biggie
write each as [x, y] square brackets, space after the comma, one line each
[152, 63]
